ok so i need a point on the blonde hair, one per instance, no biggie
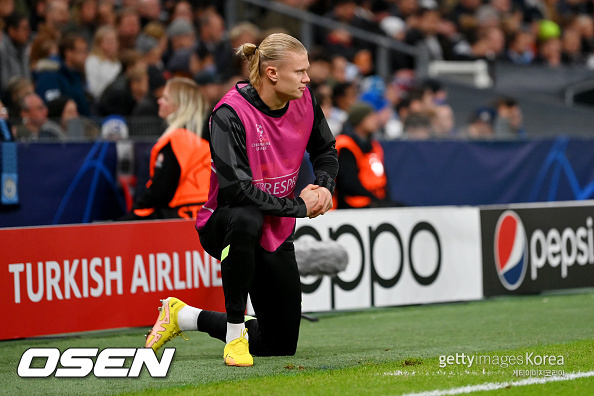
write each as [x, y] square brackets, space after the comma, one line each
[189, 105]
[98, 38]
[271, 50]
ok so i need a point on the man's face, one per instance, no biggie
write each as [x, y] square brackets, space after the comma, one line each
[20, 34]
[291, 76]
[36, 111]
[76, 57]
[57, 14]
[129, 26]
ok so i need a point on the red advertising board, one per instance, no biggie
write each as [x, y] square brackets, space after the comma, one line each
[66, 279]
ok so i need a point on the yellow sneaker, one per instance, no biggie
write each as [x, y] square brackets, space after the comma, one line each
[166, 326]
[237, 352]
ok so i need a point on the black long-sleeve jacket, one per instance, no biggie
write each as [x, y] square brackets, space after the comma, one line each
[229, 153]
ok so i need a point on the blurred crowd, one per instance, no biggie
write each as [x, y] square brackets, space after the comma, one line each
[69, 68]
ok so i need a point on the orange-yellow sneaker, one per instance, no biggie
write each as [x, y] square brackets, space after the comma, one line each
[166, 326]
[237, 352]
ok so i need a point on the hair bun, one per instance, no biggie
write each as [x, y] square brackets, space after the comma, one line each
[249, 49]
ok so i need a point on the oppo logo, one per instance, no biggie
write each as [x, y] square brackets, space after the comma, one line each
[371, 239]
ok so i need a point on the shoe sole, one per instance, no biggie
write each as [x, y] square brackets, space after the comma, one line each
[160, 322]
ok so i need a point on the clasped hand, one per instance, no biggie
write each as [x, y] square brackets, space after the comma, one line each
[318, 200]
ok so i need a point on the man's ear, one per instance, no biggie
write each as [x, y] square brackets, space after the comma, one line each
[272, 74]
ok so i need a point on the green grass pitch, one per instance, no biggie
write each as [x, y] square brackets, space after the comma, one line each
[387, 351]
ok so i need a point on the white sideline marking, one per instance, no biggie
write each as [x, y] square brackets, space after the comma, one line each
[501, 385]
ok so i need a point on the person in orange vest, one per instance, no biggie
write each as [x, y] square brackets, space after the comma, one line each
[361, 180]
[180, 160]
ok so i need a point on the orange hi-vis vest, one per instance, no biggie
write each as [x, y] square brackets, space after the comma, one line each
[193, 155]
[371, 171]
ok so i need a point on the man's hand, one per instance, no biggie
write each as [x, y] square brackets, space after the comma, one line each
[324, 203]
[310, 197]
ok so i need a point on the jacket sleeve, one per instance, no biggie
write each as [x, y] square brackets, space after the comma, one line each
[229, 153]
[322, 151]
[164, 181]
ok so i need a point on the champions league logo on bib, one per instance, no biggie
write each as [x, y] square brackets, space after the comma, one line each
[263, 142]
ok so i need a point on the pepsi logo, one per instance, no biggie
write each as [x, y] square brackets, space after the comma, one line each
[511, 253]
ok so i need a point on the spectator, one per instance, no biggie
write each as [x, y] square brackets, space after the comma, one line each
[361, 180]
[344, 95]
[417, 125]
[183, 63]
[480, 124]
[152, 44]
[16, 90]
[63, 110]
[36, 125]
[406, 9]
[68, 80]
[403, 111]
[213, 39]
[37, 15]
[509, 120]
[243, 32]
[373, 91]
[342, 70]
[319, 68]
[128, 27]
[463, 14]
[14, 49]
[121, 96]
[180, 160]
[443, 121]
[338, 41]
[6, 8]
[487, 17]
[425, 35]
[182, 10]
[102, 66]
[549, 52]
[44, 51]
[150, 11]
[181, 34]
[211, 88]
[421, 98]
[323, 94]
[106, 13]
[571, 49]
[489, 45]
[584, 24]
[84, 19]
[437, 93]
[149, 106]
[509, 13]
[56, 16]
[363, 59]
[520, 50]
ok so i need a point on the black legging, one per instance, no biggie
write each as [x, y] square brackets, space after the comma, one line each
[271, 279]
